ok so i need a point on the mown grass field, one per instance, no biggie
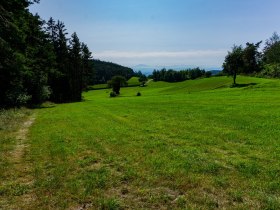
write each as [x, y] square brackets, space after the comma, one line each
[191, 145]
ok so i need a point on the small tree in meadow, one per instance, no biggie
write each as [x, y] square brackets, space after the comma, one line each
[233, 64]
[143, 79]
[116, 83]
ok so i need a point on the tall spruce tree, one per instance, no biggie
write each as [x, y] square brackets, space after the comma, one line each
[58, 78]
[75, 70]
[36, 60]
[87, 67]
[40, 60]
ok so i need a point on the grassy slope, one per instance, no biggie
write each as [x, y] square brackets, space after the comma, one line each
[195, 144]
[133, 81]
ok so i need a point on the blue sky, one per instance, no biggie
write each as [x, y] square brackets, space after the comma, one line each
[164, 32]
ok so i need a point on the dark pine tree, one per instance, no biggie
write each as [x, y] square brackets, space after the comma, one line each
[12, 53]
[40, 60]
[87, 66]
[75, 69]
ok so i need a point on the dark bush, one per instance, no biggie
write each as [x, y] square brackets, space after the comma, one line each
[113, 94]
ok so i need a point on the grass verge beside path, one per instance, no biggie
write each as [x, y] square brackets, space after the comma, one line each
[16, 173]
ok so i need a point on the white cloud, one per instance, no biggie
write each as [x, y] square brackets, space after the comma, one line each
[161, 54]
[205, 58]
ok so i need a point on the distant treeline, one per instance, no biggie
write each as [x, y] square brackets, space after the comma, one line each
[104, 71]
[178, 76]
[38, 61]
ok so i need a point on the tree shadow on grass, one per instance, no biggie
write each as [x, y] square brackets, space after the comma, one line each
[243, 85]
[46, 105]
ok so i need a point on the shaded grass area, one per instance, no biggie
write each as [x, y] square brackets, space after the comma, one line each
[191, 145]
[98, 87]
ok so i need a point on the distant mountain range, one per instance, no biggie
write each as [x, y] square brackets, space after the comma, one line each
[147, 70]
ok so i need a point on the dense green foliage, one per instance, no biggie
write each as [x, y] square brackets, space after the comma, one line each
[250, 61]
[24, 54]
[72, 67]
[37, 61]
[143, 79]
[179, 76]
[272, 57]
[104, 71]
[116, 83]
[234, 62]
[251, 58]
[272, 49]
[178, 146]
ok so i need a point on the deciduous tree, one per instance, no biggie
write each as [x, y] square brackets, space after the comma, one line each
[116, 83]
[234, 62]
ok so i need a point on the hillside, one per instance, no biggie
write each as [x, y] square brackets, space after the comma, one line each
[104, 71]
[132, 82]
[192, 145]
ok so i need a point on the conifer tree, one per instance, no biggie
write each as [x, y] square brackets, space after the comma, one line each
[75, 70]
[37, 58]
[86, 66]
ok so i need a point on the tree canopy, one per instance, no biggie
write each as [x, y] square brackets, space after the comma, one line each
[178, 76]
[38, 61]
[116, 83]
[251, 61]
[234, 62]
[142, 78]
[272, 49]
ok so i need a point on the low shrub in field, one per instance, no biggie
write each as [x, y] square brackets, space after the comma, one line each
[138, 94]
[270, 71]
[113, 94]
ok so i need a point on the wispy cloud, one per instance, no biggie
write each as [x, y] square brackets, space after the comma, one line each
[161, 54]
[202, 58]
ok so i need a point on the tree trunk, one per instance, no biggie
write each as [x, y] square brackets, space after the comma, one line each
[234, 78]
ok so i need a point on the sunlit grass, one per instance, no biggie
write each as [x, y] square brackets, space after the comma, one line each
[197, 145]
[10, 122]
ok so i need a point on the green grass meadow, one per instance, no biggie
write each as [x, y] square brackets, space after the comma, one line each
[191, 145]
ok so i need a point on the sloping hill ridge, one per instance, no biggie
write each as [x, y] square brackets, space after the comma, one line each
[207, 84]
